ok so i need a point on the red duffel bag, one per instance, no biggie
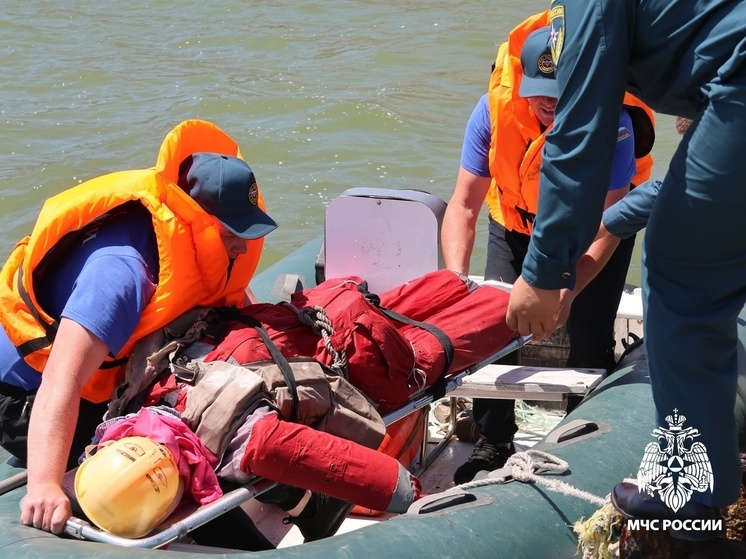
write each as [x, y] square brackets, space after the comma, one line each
[396, 344]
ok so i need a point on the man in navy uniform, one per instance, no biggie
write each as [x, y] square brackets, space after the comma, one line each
[688, 59]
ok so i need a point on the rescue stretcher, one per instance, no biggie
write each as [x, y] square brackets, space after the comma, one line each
[186, 519]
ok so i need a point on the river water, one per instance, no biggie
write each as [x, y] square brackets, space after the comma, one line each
[322, 96]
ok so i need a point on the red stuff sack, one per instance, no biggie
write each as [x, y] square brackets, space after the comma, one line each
[389, 359]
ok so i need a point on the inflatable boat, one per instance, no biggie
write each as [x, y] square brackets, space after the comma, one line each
[568, 472]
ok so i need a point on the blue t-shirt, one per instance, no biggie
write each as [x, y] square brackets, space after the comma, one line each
[103, 282]
[476, 147]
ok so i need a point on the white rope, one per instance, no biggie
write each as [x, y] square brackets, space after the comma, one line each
[526, 465]
[317, 319]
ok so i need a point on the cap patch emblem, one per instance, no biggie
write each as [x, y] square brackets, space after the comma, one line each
[253, 194]
[546, 64]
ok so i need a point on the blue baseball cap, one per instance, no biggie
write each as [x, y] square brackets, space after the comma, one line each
[538, 66]
[225, 187]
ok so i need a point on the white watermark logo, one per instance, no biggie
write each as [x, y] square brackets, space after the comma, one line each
[688, 525]
[676, 466]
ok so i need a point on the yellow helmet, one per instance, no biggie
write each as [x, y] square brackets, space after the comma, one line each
[129, 486]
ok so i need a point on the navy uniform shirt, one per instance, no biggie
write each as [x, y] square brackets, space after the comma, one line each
[663, 51]
[630, 214]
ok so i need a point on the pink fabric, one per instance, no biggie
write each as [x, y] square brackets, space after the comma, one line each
[195, 461]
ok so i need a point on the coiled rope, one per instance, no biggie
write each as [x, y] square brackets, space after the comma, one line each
[317, 319]
[525, 467]
[595, 539]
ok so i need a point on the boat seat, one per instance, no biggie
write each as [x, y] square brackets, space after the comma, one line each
[519, 382]
[187, 518]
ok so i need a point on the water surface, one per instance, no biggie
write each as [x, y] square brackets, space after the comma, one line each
[322, 96]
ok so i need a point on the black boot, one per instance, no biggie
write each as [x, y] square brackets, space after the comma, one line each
[632, 503]
[284, 496]
[485, 456]
[321, 518]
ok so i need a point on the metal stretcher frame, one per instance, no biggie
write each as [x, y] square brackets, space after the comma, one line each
[173, 530]
[427, 457]
[84, 530]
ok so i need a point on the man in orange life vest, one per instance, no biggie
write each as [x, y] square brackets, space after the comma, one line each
[500, 164]
[108, 262]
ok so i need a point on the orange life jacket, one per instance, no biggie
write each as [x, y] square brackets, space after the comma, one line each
[192, 258]
[518, 140]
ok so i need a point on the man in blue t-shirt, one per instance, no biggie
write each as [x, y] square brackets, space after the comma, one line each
[591, 321]
[97, 289]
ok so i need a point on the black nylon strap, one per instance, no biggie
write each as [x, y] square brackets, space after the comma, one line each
[526, 216]
[50, 330]
[439, 386]
[442, 337]
[114, 363]
[274, 352]
[29, 347]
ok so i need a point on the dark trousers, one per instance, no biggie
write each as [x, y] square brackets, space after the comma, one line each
[15, 411]
[694, 286]
[590, 324]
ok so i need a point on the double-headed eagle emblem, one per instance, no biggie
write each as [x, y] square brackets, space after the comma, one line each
[676, 466]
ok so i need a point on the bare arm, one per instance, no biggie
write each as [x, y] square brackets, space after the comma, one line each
[556, 304]
[594, 259]
[75, 355]
[588, 267]
[460, 220]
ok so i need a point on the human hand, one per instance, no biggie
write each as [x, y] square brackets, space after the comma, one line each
[567, 296]
[532, 310]
[46, 506]
[682, 124]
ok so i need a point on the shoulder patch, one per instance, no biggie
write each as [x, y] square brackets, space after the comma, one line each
[623, 134]
[557, 35]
